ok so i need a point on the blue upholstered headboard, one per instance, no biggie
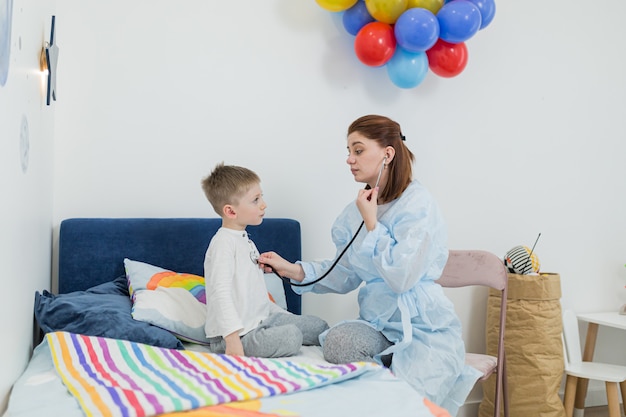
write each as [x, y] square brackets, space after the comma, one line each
[92, 250]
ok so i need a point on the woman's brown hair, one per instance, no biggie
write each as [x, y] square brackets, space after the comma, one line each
[388, 133]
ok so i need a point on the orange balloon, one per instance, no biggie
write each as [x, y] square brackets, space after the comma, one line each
[432, 5]
[336, 5]
[386, 11]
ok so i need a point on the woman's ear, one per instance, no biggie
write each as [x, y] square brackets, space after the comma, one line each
[390, 153]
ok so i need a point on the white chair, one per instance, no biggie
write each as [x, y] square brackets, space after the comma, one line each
[477, 267]
[576, 369]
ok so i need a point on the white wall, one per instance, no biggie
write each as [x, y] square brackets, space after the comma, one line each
[527, 140]
[26, 123]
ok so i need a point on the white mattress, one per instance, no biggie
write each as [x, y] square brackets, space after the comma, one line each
[40, 392]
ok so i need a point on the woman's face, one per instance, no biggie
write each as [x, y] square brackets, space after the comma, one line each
[365, 157]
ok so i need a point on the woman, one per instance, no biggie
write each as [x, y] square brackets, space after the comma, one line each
[405, 320]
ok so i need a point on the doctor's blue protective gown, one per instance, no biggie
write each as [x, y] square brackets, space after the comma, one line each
[398, 262]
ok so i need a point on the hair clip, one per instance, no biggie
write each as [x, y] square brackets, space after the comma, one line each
[402, 137]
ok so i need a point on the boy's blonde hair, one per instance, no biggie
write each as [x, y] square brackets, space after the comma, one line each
[227, 184]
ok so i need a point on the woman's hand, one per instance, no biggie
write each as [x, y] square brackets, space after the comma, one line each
[367, 203]
[273, 262]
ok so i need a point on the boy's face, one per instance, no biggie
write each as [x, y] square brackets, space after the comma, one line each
[251, 207]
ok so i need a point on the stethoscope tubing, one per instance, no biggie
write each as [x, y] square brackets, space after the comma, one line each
[380, 173]
[331, 267]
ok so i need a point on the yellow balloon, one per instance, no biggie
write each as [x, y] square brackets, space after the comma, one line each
[386, 11]
[336, 5]
[432, 5]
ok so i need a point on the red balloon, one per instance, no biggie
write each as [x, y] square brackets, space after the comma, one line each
[447, 59]
[375, 44]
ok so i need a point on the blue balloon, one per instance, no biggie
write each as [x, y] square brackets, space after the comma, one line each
[487, 10]
[356, 17]
[407, 69]
[416, 29]
[459, 20]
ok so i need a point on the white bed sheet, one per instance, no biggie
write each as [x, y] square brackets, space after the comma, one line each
[40, 392]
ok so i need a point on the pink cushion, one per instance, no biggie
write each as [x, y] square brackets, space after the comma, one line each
[484, 363]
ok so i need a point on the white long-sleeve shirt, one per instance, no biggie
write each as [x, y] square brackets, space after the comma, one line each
[236, 294]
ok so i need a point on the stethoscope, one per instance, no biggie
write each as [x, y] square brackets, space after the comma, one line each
[325, 274]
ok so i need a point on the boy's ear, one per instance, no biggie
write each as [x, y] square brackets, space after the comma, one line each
[229, 211]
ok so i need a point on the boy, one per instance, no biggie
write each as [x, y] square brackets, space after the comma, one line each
[241, 319]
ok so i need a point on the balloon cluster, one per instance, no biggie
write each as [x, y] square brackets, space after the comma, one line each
[410, 37]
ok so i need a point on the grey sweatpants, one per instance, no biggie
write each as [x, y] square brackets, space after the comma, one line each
[355, 342]
[279, 335]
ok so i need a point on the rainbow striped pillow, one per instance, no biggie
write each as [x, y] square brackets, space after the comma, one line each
[177, 301]
[168, 299]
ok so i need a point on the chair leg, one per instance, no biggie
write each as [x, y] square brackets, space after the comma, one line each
[570, 395]
[505, 390]
[622, 386]
[496, 400]
[613, 399]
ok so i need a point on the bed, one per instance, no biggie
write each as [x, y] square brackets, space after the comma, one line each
[113, 342]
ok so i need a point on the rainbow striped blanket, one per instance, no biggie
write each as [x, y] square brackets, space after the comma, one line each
[111, 377]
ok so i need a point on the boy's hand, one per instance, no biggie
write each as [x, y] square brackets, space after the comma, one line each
[233, 344]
